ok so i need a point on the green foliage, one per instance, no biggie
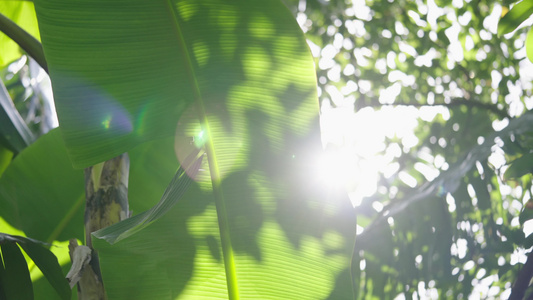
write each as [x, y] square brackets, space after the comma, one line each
[453, 233]
[162, 80]
[41, 183]
[25, 107]
[175, 190]
[15, 282]
[242, 69]
[102, 118]
[520, 12]
[512, 19]
[520, 167]
[23, 14]
[529, 45]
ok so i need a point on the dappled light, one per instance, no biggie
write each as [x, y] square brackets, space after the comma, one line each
[447, 77]
[385, 154]
[215, 103]
[238, 83]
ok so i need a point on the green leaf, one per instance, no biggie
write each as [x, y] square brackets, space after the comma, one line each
[450, 180]
[14, 133]
[129, 79]
[48, 264]
[44, 259]
[41, 194]
[177, 187]
[3, 276]
[53, 207]
[520, 167]
[307, 234]
[25, 40]
[44, 291]
[236, 78]
[507, 3]
[274, 227]
[179, 254]
[23, 14]
[529, 241]
[529, 44]
[518, 14]
[6, 156]
[526, 213]
[17, 282]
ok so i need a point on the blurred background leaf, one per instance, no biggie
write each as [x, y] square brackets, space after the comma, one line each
[14, 134]
[42, 257]
[16, 281]
[512, 19]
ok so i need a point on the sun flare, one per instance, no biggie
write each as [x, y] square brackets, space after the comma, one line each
[356, 152]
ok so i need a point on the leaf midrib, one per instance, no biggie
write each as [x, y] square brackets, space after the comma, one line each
[66, 219]
[227, 249]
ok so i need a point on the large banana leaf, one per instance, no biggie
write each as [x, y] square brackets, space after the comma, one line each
[236, 78]
[41, 194]
[124, 71]
[288, 236]
[285, 248]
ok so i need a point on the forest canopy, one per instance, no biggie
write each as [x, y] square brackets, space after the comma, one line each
[448, 213]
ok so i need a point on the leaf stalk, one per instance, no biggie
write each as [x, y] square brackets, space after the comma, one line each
[25, 40]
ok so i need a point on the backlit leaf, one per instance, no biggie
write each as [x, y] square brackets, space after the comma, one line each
[518, 14]
[520, 167]
[16, 283]
[23, 14]
[237, 79]
[529, 44]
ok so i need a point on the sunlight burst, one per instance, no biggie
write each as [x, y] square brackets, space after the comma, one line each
[337, 167]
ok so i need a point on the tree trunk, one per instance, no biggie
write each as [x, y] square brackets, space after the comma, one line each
[106, 192]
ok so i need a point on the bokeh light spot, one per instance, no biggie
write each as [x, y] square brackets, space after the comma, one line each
[107, 122]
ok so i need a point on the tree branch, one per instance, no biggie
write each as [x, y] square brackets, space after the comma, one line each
[522, 281]
[457, 102]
